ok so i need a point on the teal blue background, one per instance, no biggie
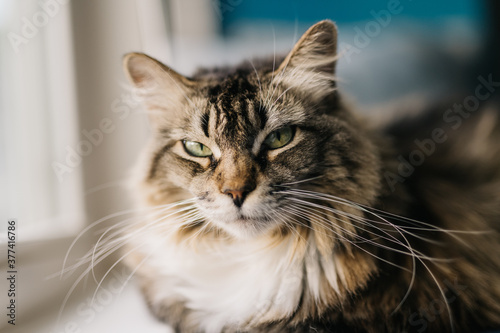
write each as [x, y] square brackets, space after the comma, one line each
[340, 11]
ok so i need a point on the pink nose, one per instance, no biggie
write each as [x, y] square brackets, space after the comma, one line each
[237, 195]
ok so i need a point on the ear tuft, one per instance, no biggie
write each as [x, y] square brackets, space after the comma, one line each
[316, 49]
[311, 63]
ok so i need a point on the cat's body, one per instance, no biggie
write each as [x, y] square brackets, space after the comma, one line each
[294, 215]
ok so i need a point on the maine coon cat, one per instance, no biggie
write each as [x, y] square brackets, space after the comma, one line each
[273, 207]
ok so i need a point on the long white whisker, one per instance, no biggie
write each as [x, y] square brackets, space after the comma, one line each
[414, 256]
[162, 218]
[303, 215]
[106, 218]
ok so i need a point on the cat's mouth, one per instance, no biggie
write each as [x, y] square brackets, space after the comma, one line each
[242, 225]
[252, 218]
[248, 219]
[242, 217]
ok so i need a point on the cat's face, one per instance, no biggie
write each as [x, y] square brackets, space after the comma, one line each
[233, 152]
[239, 142]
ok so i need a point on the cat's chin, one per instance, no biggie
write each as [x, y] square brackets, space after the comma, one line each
[247, 222]
[243, 227]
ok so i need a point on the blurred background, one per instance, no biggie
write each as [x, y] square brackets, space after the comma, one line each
[71, 128]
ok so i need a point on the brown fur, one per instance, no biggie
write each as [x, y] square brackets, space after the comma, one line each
[447, 211]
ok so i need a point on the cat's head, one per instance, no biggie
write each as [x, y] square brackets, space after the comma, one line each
[244, 141]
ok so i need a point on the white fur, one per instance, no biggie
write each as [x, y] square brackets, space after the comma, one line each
[235, 284]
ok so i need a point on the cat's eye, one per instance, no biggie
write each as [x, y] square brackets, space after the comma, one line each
[196, 149]
[279, 138]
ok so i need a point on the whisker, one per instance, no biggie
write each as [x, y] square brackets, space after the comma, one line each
[379, 214]
[108, 240]
[115, 244]
[260, 85]
[101, 220]
[402, 218]
[107, 185]
[274, 66]
[413, 269]
[299, 181]
[370, 241]
[354, 244]
[413, 256]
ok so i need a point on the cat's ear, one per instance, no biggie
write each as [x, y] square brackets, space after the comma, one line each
[161, 89]
[311, 63]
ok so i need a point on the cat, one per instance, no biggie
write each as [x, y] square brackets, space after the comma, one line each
[273, 206]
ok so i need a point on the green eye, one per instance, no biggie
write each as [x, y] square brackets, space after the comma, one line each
[196, 149]
[279, 138]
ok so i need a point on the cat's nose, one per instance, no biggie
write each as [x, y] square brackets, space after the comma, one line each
[238, 195]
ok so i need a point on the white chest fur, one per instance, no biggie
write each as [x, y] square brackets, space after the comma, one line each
[238, 283]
